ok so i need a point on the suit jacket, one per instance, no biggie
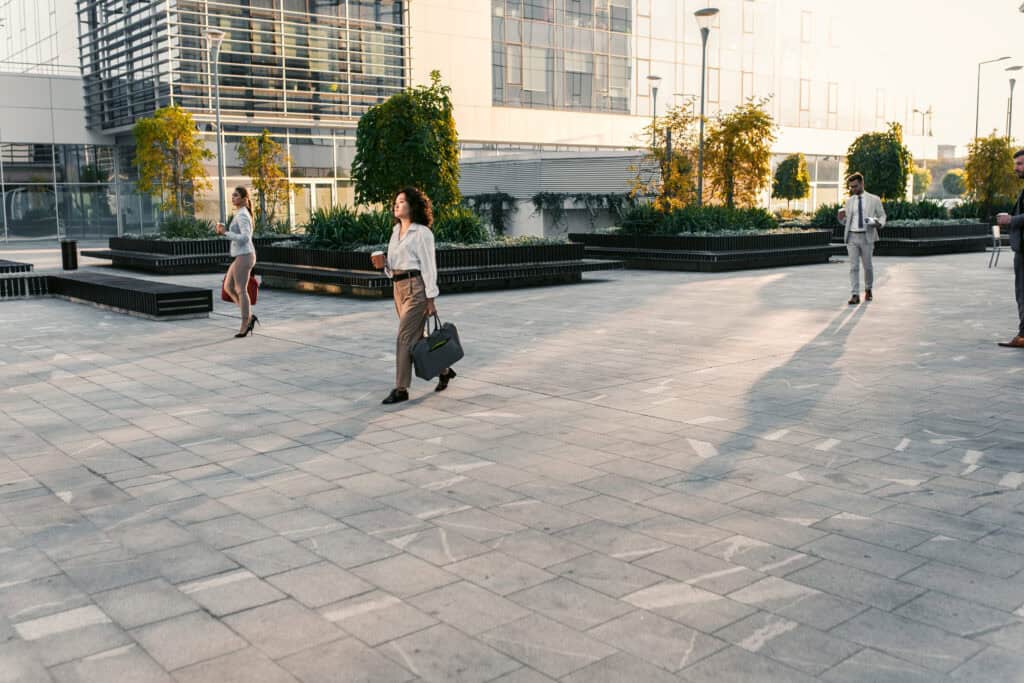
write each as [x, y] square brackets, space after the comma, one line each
[1017, 222]
[872, 209]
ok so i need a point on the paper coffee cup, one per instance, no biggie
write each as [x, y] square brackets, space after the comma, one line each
[377, 253]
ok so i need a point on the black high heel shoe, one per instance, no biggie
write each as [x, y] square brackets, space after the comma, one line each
[248, 330]
[396, 396]
[443, 379]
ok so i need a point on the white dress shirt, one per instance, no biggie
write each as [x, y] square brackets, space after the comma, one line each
[872, 205]
[240, 233]
[414, 251]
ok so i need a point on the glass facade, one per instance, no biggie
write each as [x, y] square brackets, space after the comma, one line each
[282, 62]
[73, 191]
[562, 54]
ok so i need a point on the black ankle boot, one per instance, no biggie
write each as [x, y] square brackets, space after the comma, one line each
[396, 396]
[443, 379]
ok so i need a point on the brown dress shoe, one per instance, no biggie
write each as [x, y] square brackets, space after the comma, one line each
[867, 296]
[1016, 343]
[854, 300]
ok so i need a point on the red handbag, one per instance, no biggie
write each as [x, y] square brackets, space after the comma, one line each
[253, 287]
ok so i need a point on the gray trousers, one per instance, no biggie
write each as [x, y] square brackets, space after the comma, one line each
[858, 248]
[1018, 287]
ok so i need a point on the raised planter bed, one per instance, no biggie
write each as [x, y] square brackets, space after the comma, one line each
[351, 273]
[709, 253]
[928, 240]
[173, 257]
[15, 267]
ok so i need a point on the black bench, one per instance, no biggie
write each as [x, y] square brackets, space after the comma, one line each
[162, 264]
[15, 267]
[155, 299]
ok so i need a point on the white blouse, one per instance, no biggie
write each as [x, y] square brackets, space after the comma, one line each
[240, 233]
[415, 251]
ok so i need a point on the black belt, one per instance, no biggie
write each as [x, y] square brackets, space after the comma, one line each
[406, 275]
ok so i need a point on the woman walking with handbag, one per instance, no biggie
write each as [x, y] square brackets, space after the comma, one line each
[243, 253]
[412, 266]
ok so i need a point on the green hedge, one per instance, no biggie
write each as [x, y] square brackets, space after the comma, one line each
[460, 225]
[341, 227]
[186, 227]
[645, 220]
[897, 210]
[974, 210]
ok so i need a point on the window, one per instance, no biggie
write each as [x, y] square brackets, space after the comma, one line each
[514, 61]
[833, 98]
[805, 95]
[880, 104]
[746, 86]
[535, 77]
[713, 84]
[540, 10]
[806, 27]
[748, 16]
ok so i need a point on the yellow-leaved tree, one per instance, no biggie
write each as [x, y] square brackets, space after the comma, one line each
[738, 154]
[169, 154]
[262, 160]
[667, 171]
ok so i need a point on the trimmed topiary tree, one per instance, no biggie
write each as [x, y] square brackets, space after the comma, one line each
[955, 182]
[409, 139]
[792, 181]
[884, 161]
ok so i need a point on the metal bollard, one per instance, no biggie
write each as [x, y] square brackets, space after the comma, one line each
[69, 254]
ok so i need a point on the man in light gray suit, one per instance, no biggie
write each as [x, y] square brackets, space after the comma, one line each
[862, 217]
[1016, 225]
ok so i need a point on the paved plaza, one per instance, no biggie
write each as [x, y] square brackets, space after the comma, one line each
[649, 476]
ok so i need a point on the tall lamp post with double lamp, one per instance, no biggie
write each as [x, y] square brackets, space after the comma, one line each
[1009, 103]
[654, 81]
[705, 17]
[977, 96]
[214, 38]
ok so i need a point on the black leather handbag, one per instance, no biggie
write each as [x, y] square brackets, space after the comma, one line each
[438, 350]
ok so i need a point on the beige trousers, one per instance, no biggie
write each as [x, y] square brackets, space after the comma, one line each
[411, 306]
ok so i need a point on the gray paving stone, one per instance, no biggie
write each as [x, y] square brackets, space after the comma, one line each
[344, 661]
[611, 577]
[40, 598]
[657, 640]
[736, 664]
[798, 602]
[499, 573]
[576, 606]
[186, 640]
[230, 592]
[963, 583]
[616, 542]
[349, 548]
[698, 569]
[961, 617]
[991, 664]
[973, 556]
[757, 555]
[377, 617]
[468, 607]
[404, 575]
[619, 667]
[912, 641]
[547, 646]
[442, 654]
[858, 585]
[283, 628]
[230, 531]
[144, 603]
[878, 667]
[271, 556]
[788, 642]
[866, 556]
[129, 662]
[243, 666]
[319, 584]
[18, 664]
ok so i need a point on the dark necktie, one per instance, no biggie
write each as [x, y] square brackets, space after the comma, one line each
[860, 213]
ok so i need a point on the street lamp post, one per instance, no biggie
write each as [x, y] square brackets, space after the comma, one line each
[977, 97]
[214, 38]
[705, 17]
[654, 81]
[1009, 103]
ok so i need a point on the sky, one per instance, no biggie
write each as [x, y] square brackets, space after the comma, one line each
[932, 48]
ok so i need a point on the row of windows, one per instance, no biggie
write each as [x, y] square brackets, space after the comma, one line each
[563, 54]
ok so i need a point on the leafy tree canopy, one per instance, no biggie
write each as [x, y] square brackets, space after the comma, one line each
[737, 154]
[884, 161]
[169, 154]
[792, 181]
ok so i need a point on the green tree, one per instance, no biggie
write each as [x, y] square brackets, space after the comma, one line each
[409, 139]
[922, 180]
[792, 181]
[737, 154]
[669, 178]
[884, 161]
[955, 182]
[989, 172]
[262, 160]
[169, 153]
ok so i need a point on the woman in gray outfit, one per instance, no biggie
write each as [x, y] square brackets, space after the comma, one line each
[244, 255]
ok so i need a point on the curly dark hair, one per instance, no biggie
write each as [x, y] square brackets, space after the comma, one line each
[420, 209]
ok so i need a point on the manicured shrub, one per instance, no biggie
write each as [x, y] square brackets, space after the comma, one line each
[186, 227]
[897, 210]
[460, 225]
